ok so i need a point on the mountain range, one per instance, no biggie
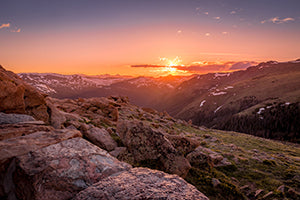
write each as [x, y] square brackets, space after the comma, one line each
[262, 100]
[108, 148]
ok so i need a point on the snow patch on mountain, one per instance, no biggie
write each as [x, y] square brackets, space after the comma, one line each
[260, 110]
[218, 93]
[202, 103]
[218, 109]
[216, 75]
[228, 87]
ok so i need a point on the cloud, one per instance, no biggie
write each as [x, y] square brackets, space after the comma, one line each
[207, 34]
[224, 33]
[5, 25]
[179, 31]
[242, 65]
[146, 66]
[16, 31]
[233, 12]
[207, 67]
[217, 18]
[206, 13]
[277, 20]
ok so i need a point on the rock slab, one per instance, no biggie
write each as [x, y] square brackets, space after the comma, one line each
[141, 183]
[14, 118]
[61, 170]
[13, 147]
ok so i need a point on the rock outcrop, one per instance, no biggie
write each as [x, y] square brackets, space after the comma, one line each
[149, 145]
[19, 97]
[141, 183]
[202, 156]
[61, 170]
[8, 131]
[11, 148]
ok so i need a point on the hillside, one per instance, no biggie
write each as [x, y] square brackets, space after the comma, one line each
[262, 100]
[103, 148]
[137, 89]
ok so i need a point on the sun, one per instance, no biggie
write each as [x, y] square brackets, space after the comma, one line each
[171, 65]
[170, 69]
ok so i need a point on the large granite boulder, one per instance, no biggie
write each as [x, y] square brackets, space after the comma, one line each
[13, 147]
[61, 170]
[141, 183]
[101, 138]
[19, 97]
[149, 145]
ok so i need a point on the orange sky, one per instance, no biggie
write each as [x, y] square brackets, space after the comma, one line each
[84, 45]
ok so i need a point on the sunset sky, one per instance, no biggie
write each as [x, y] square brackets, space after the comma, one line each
[141, 37]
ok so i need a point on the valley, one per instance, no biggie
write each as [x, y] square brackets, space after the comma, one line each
[262, 100]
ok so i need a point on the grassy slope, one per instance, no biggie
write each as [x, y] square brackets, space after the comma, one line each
[258, 163]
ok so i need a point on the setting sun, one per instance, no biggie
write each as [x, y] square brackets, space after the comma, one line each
[171, 65]
[170, 70]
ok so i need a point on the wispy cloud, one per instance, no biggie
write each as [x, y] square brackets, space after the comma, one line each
[5, 25]
[206, 67]
[217, 18]
[224, 33]
[242, 65]
[233, 12]
[146, 66]
[207, 34]
[16, 31]
[277, 20]
[206, 13]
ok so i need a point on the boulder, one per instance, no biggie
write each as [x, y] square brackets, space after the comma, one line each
[183, 144]
[14, 118]
[199, 159]
[149, 145]
[141, 183]
[117, 151]
[21, 145]
[8, 131]
[18, 97]
[101, 138]
[57, 118]
[61, 170]
[203, 156]
[215, 182]
[13, 147]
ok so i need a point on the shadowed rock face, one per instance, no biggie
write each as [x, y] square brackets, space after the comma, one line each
[146, 144]
[13, 147]
[61, 170]
[141, 183]
[19, 97]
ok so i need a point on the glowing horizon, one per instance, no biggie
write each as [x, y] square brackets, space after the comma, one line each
[109, 37]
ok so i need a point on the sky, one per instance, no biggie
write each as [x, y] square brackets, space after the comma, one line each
[146, 37]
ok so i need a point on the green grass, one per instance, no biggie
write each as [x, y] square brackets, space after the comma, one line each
[264, 164]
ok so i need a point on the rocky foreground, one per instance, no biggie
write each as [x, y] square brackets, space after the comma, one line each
[106, 148]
